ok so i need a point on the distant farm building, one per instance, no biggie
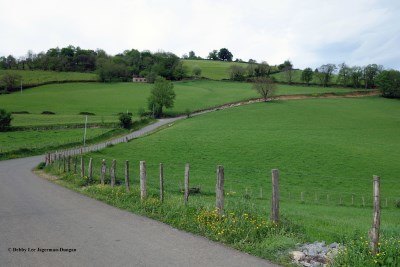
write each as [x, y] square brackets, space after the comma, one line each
[137, 79]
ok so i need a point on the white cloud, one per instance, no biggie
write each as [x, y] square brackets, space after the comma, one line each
[309, 32]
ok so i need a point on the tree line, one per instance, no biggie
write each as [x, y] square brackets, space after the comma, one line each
[355, 76]
[120, 67]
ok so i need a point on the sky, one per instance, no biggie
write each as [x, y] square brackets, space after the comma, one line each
[309, 32]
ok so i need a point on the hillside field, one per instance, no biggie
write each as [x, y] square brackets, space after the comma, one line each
[212, 69]
[34, 77]
[106, 100]
[322, 147]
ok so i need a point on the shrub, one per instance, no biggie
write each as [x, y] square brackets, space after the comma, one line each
[86, 113]
[46, 112]
[188, 113]
[141, 112]
[196, 71]
[389, 83]
[5, 119]
[125, 120]
[41, 166]
[20, 112]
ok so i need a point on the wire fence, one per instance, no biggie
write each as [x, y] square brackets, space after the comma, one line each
[203, 179]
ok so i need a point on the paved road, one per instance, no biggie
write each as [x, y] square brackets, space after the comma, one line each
[35, 213]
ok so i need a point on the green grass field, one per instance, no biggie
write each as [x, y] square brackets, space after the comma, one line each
[107, 100]
[32, 77]
[10, 141]
[212, 69]
[321, 147]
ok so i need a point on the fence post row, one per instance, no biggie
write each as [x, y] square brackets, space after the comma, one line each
[275, 196]
[143, 189]
[376, 221]
[186, 195]
[219, 188]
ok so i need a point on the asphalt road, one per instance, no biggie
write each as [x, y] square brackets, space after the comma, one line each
[37, 214]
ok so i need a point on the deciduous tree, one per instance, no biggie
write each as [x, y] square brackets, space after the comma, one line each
[389, 83]
[307, 75]
[162, 95]
[264, 86]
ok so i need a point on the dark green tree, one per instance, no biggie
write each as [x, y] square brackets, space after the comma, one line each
[307, 75]
[325, 73]
[213, 55]
[355, 74]
[5, 119]
[125, 120]
[225, 55]
[370, 72]
[162, 95]
[388, 82]
[343, 77]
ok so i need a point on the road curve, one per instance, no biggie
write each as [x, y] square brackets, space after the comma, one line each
[37, 214]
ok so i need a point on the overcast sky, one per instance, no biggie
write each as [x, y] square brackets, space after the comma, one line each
[308, 32]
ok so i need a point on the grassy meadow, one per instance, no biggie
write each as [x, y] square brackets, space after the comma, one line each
[212, 69]
[10, 141]
[33, 77]
[106, 100]
[321, 147]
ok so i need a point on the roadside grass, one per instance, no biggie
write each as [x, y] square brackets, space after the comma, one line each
[239, 227]
[327, 149]
[107, 100]
[36, 77]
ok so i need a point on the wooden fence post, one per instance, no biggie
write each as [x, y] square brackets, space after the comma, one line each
[82, 167]
[64, 163]
[68, 163]
[90, 170]
[127, 175]
[59, 163]
[103, 171]
[219, 190]
[112, 172]
[143, 189]
[161, 183]
[275, 196]
[376, 221]
[75, 163]
[186, 195]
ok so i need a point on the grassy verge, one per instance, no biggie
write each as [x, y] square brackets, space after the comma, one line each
[240, 227]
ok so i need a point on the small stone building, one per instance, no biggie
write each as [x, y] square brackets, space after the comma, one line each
[137, 79]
